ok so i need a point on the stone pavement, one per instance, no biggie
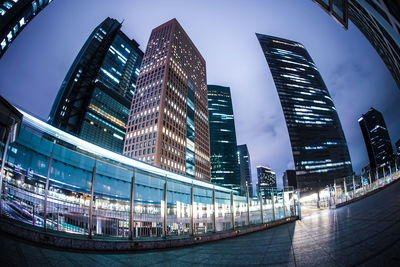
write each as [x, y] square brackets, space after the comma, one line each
[363, 233]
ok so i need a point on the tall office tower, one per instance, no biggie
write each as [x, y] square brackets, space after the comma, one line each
[378, 20]
[376, 137]
[168, 123]
[289, 178]
[94, 99]
[245, 169]
[318, 143]
[15, 15]
[223, 146]
[266, 177]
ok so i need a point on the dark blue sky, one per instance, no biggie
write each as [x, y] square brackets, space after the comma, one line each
[34, 66]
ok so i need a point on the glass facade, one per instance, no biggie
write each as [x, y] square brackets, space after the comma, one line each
[92, 191]
[266, 178]
[380, 24]
[337, 8]
[376, 137]
[14, 16]
[318, 143]
[223, 146]
[95, 96]
[378, 20]
[245, 170]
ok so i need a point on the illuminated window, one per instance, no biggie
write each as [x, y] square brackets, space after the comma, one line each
[8, 5]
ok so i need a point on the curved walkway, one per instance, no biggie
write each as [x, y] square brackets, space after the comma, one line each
[363, 233]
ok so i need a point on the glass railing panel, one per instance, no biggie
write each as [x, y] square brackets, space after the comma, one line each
[240, 211]
[203, 214]
[179, 211]
[223, 211]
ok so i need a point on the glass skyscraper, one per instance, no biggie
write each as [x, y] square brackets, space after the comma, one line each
[168, 124]
[14, 16]
[223, 146]
[318, 143]
[376, 137]
[378, 20]
[95, 96]
[245, 169]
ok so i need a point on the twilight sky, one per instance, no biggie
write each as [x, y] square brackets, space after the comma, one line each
[34, 66]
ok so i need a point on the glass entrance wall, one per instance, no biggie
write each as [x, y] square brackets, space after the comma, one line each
[89, 191]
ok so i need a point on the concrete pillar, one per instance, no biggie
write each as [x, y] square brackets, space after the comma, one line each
[46, 189]
[215, 212]
[370, 180]
[273, 205]
[298, 204]
[335, 192]
[345, 188]
[165, 208]
[283, 200]
[192, 217]
[354, 185]
[132, 207]
[91, 200]
[3, 160]
[248, 205]
[362, 184]
[233, 211]
[261, 207]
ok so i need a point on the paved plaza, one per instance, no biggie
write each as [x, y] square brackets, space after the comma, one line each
[363, 233]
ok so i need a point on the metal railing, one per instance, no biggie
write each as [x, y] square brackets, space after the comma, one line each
[348, 188]
[61, 183]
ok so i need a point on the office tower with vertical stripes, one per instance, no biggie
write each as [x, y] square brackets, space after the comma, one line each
[245, 170]
[318, 143]
[223, 145]
[168, 120]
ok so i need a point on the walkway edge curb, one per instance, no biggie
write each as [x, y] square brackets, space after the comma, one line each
[55, 240]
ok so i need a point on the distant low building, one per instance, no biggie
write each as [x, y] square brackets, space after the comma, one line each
[266, 177]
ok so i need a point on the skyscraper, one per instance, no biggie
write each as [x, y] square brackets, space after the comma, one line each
[14, 16]
[398, 147]
[318, 143]
[168, 122]
[289, 178]
[94, 99]
[376, 137]
[378, 20]
[223, 146]
[266, 177]
[245, 169]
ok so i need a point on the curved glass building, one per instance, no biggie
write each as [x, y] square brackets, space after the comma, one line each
[319, 146]
[14, 16]
[95, 97]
